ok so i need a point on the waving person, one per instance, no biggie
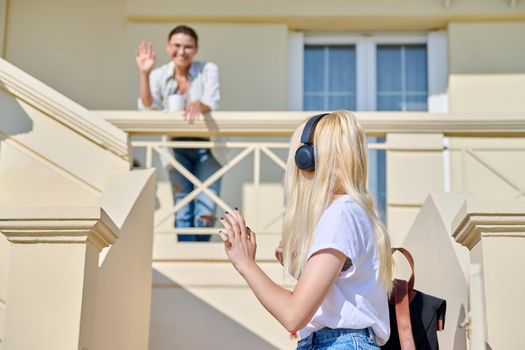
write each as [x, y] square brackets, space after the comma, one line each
[333, 242]
[190, 86]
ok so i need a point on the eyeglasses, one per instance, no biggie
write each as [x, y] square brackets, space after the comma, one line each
[185, 48]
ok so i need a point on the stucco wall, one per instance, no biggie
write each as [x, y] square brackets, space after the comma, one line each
[252, 60]
[76, 47]
[85, 48]
[86, 51]
[487, 69]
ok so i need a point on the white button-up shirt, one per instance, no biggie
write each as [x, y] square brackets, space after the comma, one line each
[204, 85]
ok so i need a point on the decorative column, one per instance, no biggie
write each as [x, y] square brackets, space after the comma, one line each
[494, 232]
[51, 290]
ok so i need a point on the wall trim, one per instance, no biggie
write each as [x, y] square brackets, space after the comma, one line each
[65, 111]
[58, 225]
[488, 218]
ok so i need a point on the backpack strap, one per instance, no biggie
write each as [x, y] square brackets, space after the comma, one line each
[402, 293]
[404, 325]
[410, 260]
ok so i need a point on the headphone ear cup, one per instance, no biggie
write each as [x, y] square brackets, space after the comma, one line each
[305, 158]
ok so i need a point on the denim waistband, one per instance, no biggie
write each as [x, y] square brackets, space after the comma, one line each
[329, 333]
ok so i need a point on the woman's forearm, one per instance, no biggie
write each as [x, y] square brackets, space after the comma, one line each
[278, 301]
[145, 93]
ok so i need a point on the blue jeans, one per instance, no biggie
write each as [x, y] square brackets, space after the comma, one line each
[201, 211]
[339, 339]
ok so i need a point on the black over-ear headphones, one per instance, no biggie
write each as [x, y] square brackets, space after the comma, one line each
[304, 156]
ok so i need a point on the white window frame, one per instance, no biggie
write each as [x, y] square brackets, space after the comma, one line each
[437, 72]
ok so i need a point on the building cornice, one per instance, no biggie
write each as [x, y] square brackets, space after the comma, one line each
[62, 109]
[484, 218]
[361, 23]
[58, 225]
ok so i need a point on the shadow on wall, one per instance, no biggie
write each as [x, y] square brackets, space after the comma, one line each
[459, 337]
[180, 320]
[441, 263]
[13, 119]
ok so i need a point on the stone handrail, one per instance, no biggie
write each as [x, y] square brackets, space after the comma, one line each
[276, 123]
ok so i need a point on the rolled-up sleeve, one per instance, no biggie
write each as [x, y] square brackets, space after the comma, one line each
[154, 87]
[211, 93]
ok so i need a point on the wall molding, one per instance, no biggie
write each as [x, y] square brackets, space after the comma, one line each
[58, 225]
[478, 219]
[55, 105]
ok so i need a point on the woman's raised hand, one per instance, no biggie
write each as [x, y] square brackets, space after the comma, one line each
[145, 57]
[239, 241]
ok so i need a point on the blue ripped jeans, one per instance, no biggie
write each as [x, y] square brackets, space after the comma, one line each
[339, 339]
[201, 211]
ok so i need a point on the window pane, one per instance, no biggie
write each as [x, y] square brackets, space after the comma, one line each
[416, 103]
[402, 77]
[388, 68]
[341, 102]
[416, 68]
[341, 67]
[314, 64]
[329, 77]
[389, 103]
[314, 103]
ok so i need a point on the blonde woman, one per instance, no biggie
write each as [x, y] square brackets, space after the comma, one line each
[333, 242]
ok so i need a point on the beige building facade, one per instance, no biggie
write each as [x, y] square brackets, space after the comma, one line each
[86, 48]
[94, 236]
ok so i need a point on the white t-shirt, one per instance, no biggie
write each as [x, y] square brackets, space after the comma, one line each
[357, 299]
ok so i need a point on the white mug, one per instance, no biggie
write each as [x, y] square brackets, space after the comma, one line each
[176, 102]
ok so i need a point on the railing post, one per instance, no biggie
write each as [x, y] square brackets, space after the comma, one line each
[494, 232]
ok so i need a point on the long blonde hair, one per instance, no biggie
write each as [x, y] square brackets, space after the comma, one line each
[341, 167]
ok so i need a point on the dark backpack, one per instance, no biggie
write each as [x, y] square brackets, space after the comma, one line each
[415, 317]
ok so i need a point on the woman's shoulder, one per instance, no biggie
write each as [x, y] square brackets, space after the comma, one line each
[204, 65]
[346, 224]
[343, 213]
[345, 205]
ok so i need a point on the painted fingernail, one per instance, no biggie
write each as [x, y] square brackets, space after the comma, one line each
[248, 228]
[236, 208]
[226, 212]
[222, 218]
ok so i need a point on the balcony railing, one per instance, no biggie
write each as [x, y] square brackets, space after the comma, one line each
[260, 135]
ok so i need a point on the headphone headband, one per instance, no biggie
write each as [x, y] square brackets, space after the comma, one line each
[307, 135]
